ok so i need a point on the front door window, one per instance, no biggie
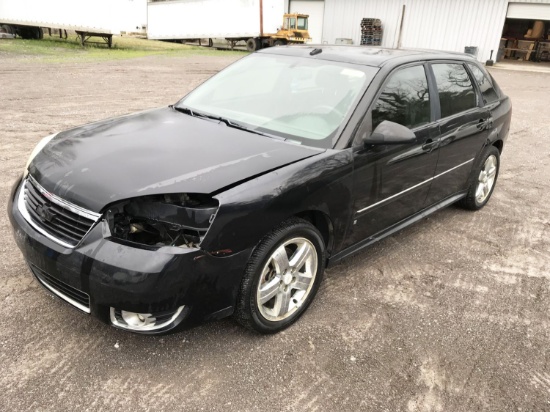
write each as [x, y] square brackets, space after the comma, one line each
[292, 23]
[285, 24]
[302, 23]
[405, 99]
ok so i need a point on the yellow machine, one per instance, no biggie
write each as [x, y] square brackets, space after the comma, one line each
[293, 31]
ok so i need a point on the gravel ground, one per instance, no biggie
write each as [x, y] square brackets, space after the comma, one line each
[450, 314]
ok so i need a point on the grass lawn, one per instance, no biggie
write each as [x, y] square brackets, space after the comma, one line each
[53, 49]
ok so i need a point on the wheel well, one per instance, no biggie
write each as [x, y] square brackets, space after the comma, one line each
[323, 224]
[499, 144]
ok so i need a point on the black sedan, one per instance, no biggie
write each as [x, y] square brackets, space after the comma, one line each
[234, 200]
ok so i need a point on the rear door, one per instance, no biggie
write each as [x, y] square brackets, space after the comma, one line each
[464, 123]
[391, 182]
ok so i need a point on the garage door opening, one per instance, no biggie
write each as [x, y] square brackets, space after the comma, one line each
[526, 34]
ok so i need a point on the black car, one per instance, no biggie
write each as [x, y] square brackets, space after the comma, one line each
[234, 200]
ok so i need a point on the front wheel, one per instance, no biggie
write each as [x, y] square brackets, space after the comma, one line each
[282, 277]
[482, 180]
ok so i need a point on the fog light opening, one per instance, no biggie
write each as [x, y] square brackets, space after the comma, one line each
[137, 320]
[144, 322]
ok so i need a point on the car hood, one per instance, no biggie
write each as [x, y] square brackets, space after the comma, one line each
[154, 152]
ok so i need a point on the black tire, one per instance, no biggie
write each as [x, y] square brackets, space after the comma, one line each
[471, 201]
[8, 29]
[279, 43]
[30, 33]
[252, 45]
[248, 312]
[25, 33]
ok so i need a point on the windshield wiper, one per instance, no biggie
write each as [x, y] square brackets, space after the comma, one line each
[185, 110]
[227, 122]
[193, 113]
[234, 125]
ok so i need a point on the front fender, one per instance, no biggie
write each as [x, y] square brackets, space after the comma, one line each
[249, 211]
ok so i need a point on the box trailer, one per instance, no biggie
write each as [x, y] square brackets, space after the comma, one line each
[102, 18]
[259, 23]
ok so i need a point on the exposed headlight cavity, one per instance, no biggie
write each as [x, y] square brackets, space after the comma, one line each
[180, 220]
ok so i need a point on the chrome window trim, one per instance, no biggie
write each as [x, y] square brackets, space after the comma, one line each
[413, 187]
[73, 208]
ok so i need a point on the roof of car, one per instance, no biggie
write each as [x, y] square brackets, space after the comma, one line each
[366, 55]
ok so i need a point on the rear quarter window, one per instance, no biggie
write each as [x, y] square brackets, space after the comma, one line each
[485, 85]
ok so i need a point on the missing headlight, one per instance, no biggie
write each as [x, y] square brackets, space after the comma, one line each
[166, 220]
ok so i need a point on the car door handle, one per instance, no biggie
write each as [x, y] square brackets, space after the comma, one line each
[429, 145]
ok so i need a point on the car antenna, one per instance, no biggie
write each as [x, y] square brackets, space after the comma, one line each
[315, 51]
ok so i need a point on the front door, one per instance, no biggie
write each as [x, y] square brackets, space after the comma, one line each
[391, 182]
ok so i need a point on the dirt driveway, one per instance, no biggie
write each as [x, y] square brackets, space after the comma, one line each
[451, 314]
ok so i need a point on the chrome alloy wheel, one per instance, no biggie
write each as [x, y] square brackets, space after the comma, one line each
[287, 279]
[486, 179]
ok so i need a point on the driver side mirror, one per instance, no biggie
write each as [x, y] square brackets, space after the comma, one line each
[390, 133]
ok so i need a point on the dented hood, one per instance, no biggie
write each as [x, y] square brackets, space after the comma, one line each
[155, 152]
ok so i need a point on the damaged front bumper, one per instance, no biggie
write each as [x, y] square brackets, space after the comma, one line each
[170, 287]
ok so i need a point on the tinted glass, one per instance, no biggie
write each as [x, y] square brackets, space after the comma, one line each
[405, 99]
[456, 92]
[487, 90]
[302, 23]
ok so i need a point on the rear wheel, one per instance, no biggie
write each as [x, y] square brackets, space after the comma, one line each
[30, 33]
[279, 43]
[252, 44]
[282, 277]
[482, 180]
[7, 28]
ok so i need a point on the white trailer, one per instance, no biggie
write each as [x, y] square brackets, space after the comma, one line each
[253, 21]
[102, 18]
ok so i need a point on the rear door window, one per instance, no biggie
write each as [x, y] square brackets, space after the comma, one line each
[405, 99]
[487, 90]
[455, 89]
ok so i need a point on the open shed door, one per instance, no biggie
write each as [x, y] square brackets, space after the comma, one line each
[528, 11]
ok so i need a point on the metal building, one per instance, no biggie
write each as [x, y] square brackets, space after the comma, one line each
[433, 24]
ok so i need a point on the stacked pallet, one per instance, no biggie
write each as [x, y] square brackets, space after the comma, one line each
[371, 32]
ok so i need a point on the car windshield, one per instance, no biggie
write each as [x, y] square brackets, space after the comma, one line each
[304, 100]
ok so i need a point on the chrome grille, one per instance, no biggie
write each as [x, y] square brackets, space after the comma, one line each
[66, 292]
[54, 217]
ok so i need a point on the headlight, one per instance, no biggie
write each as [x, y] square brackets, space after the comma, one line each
[38, 148]
[180, 220]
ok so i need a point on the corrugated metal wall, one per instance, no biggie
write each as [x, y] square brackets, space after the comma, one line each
[342, 18]
[433, 24]
[452, 25]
